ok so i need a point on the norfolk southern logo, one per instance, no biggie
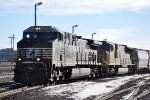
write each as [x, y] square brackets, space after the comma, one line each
[30, 53]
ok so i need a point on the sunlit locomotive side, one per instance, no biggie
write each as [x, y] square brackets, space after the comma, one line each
[117, 58]
[114, 57]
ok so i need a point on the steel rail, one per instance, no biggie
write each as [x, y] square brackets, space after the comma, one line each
[10, 86]
[14, 91]
[113, 93]
[133, 96]
[142, 94]
[116, 93]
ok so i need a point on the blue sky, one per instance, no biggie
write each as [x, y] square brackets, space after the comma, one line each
[120, 21]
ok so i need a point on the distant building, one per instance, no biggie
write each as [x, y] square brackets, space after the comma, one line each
[7, 54]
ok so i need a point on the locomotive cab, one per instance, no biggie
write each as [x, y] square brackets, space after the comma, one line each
[34, 54]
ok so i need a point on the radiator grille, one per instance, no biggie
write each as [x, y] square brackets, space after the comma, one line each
[34, 52]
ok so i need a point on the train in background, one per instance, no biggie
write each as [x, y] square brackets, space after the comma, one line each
[46, 54]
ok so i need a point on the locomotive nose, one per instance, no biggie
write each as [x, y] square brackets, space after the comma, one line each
[34, 50]
[30, 73]
[34, 43]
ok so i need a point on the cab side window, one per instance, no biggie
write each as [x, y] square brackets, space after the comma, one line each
[60, 37]
[65, 37]
[73, 40]
[69, 39]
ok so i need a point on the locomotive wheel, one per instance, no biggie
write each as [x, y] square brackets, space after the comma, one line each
[99, 72]
[130, 70]
[54, 78]
[96, 75]
[66, 74]
[60, 78]
[116, 70]
[109, 71]
[91, 75]
[113, 71]
[105, 71]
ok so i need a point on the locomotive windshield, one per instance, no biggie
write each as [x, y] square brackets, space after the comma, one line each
[40, 35]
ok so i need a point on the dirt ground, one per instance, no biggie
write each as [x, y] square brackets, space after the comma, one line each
[6, 67]
[6, 72]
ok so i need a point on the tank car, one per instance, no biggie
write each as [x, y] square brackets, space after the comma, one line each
[141, 59]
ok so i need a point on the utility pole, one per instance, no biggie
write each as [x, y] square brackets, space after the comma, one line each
[13, 41]
[12, 45]
[148, 57]
[10, 41]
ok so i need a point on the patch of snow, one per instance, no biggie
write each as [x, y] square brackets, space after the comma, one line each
[64, 89]
[84, 89]
[147, 78]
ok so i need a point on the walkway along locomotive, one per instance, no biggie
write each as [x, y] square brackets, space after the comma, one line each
[48, 54]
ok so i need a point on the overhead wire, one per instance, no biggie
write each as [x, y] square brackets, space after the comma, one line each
[43, 18]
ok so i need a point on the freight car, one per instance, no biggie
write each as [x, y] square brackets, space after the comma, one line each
[46, 54]
[142, 59]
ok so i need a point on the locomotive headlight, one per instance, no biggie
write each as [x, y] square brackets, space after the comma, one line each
[19, 59]
[38, 59]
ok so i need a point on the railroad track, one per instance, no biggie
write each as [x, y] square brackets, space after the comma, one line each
[140, 92]
[123, 89]
[113, 93]
[7, 89]
[14, 88]
[10, 86]
[18, 90]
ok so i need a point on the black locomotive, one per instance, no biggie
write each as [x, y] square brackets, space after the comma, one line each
[47, 54]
